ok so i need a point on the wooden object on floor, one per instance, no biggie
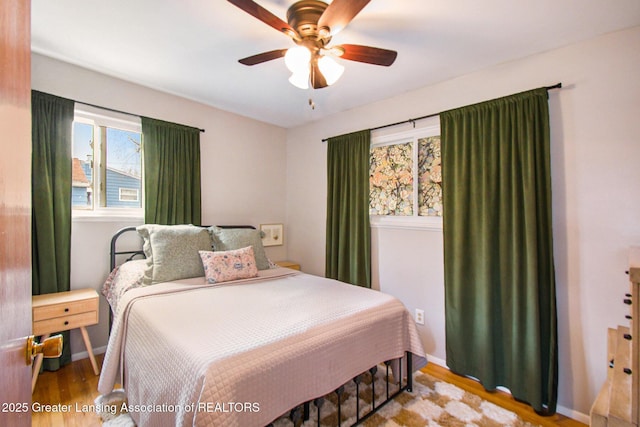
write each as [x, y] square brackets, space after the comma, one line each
[63, 311]
[634, 278]
[619, 398]
[289, 264]
[601, 405]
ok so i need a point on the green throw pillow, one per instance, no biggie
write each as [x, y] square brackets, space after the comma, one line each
[172, 251]
[227, 239]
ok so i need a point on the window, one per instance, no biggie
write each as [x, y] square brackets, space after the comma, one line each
[429, 176]
[107, 162]
[405, 179]
[391, 179]
[129, 194]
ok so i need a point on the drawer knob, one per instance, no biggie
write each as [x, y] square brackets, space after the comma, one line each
[627, 371]
[627, 337]
[66, 322]
[627, 301]
[66, 310]
[611, 363]
[628, 317]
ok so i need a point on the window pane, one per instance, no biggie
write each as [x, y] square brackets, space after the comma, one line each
[429, 177]
[391, 180]
[123, 174]
[82, 171]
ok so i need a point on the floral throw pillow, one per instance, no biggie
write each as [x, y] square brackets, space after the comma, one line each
[223, 266]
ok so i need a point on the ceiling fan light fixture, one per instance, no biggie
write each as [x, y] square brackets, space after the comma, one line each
[300, 79]
[297, 59]
[330, 69]
[311, 24]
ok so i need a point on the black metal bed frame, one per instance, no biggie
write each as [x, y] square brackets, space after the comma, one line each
[301, 413]
[113, 253]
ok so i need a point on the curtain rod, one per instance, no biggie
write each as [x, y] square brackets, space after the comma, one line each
[118, 111]
[555, 86]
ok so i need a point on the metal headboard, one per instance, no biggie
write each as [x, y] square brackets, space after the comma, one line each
[113, 253]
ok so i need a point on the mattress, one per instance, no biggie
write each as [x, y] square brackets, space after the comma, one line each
[243, 353]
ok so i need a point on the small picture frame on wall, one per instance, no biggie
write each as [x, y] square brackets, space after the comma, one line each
[272, 234]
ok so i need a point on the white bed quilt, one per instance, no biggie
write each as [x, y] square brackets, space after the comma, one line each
[243, 353]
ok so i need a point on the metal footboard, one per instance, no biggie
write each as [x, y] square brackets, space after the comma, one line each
[301, 413]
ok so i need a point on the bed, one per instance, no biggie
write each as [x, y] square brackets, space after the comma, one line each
[240, 351]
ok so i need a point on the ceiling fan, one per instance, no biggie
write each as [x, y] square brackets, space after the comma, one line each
[311, 24]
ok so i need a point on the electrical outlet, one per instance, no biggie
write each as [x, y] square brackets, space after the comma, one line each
[419, 316]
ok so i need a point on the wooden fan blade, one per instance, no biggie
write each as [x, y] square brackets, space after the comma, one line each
[259, 12]
[317, 79]
[339, 13]
[263, 57]
[368, 54]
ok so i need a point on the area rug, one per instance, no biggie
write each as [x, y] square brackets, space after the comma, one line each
[432, 403]
[111, 411]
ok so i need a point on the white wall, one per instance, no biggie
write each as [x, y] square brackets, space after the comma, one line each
[243, 169]
[595, 178]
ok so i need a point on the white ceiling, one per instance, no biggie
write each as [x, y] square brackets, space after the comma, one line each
[191, 47]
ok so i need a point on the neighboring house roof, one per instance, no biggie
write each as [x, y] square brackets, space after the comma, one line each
[78, 177]
[130, 175]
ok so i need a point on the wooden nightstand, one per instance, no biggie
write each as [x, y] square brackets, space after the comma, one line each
[289, 264]
[64, 311]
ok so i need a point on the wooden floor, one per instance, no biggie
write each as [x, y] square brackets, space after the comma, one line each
[499, 398]
[75, 387]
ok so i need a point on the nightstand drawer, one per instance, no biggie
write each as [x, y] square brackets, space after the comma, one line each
[65, 309]
[289, 264]
[64, 323]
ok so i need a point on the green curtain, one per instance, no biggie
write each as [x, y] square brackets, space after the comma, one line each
[171, 173]
[52, 122]
[501, 322]
[348, 250]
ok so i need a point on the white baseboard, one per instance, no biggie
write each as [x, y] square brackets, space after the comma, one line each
[437, 361]
[85, 355]
[576, 415]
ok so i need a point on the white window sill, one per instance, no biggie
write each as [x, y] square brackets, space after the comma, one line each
[427, 223]
[111, 215]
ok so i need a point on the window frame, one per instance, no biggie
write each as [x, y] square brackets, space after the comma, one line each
[99, 117]
[428, 127]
